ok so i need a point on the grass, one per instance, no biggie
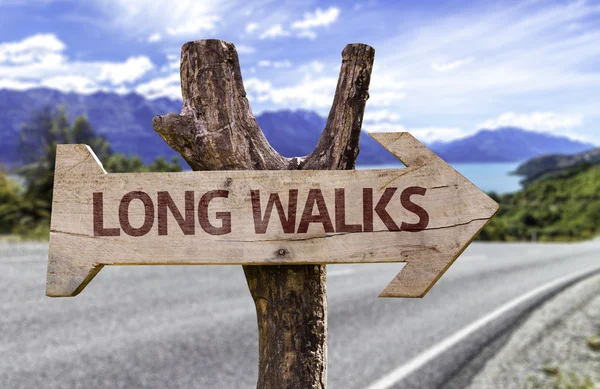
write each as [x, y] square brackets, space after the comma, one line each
[594, 342]
[561, 380]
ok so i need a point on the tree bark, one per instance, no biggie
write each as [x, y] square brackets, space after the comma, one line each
[216, 130]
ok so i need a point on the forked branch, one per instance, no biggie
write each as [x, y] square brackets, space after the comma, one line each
[216, 130]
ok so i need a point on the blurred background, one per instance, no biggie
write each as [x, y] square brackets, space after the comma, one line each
[507, 92]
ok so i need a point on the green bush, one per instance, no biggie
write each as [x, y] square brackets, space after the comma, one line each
[564, 208]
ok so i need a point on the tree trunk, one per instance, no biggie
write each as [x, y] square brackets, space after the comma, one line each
[217, 131]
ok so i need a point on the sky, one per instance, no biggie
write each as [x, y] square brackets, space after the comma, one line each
[443, 68]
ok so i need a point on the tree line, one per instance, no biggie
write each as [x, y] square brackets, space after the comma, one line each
[26, 192]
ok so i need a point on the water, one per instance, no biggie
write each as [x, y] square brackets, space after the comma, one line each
[487, 176]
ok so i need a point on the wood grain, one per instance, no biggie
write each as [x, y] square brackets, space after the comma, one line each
[457, 211]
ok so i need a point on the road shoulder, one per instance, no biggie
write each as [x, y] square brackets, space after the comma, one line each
[552, 347]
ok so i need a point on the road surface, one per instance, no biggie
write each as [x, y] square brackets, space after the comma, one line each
[194, 326]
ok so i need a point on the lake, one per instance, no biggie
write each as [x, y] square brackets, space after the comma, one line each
[487, 176]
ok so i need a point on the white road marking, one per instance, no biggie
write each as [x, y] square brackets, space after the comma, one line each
[403, 371]
[340, 272]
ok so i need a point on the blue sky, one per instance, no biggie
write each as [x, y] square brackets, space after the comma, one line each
[443, 69]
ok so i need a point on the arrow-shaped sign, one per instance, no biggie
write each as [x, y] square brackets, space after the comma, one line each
[424, 215]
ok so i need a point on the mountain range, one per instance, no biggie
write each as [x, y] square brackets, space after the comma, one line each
[125, 120]
[556, 165]
[506, 144]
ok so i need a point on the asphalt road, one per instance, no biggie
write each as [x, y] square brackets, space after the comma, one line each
[194, 326]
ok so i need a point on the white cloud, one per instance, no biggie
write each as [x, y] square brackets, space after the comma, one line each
[245, 49]
[383, 127]
[451, 65]
[252, 27]
[317, 66]
[386, 88]
[256, 86]
[307, 34]
[424, 134]
[17, 85]
[318, 18]
[537, 121]
[314, 66]
[379, 116]
[282, 64]
[523, 60]
[309, 94]
[122, 90]
[38, 61]
[68, 83]
[274, 32]
[169, 86]
[175, 18]
[275, 64]
[386, 98]
[36, 48]
[193, 27]
[156, 37]
[131, 70]
[173, 63]
[316, 90]
[438, 134]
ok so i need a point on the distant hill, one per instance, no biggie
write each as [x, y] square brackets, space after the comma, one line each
[560, 200]
[125, 120]
[563, 208]
[506, 144]
[556, 165]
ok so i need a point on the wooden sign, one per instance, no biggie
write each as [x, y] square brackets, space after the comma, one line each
[424, 215]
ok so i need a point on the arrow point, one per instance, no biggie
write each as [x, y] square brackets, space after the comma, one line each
[66, 279]
[414, 280]
[68, 276]
[421, 272]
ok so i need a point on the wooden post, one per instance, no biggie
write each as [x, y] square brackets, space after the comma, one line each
[216, 130]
